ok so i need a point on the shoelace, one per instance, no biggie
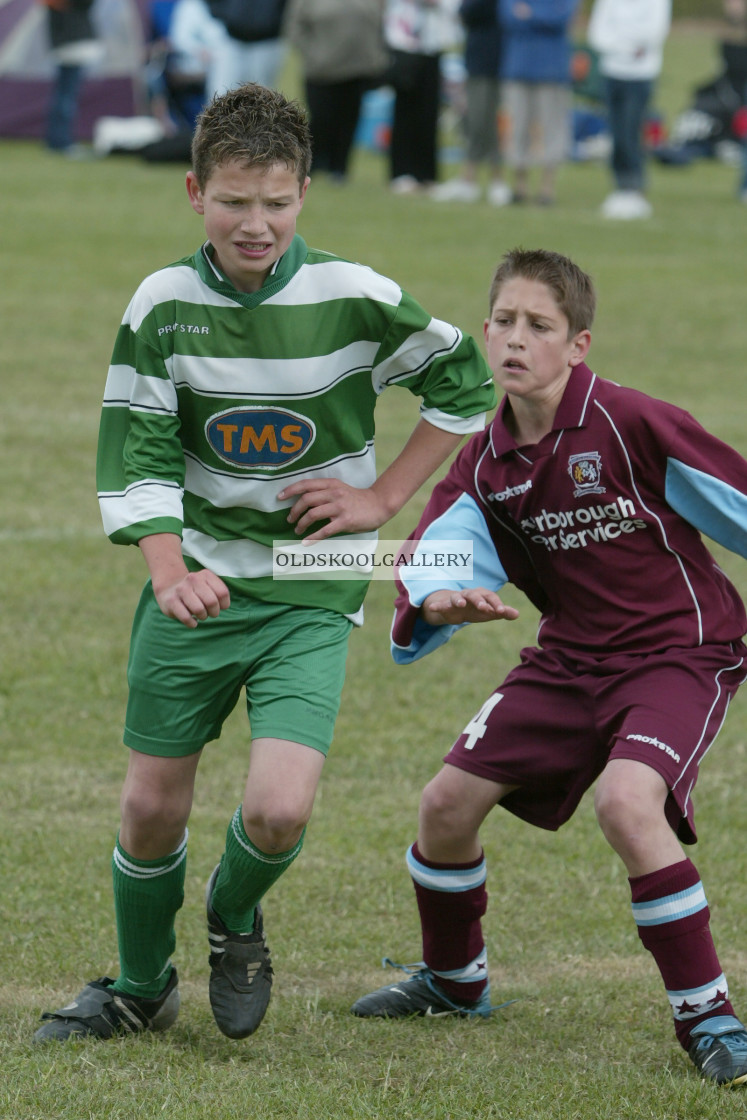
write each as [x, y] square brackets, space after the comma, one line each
[734, 1041]
[420, 968]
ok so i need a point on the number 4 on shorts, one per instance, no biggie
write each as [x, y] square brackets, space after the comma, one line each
[477, 726]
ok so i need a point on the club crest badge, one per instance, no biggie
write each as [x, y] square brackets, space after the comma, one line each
[586, 471]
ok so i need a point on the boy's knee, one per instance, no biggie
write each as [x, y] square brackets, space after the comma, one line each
[611, 800]
[622, 811]
[628, 794]
[441, 808]
[155, 803]
[275, 828]
[150, 826]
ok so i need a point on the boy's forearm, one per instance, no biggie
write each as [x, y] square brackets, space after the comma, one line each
[188, 597]
[427, 448]
[163, 555]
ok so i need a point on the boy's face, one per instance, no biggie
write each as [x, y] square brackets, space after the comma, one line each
[250, 217]
[527, 341]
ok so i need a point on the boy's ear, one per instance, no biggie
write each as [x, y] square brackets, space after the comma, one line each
[194, 193]
[580, 347]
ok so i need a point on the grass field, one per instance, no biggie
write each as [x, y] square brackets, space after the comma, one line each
[590, 1035]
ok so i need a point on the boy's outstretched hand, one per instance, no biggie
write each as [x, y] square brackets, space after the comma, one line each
[475, 604]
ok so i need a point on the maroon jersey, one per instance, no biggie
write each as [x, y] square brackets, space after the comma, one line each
[599, 524]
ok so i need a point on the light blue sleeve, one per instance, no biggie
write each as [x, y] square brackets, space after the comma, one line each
[425, 639]
[711, 505]
[462, 521]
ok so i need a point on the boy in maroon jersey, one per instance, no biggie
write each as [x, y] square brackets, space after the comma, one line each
[591, 498]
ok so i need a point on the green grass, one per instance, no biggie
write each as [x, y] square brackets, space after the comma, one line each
[590, 1036]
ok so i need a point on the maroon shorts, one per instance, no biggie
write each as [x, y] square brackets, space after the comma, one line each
[556, 720]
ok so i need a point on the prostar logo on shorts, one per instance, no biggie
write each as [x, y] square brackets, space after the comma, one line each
[652, 741]
[259, 437]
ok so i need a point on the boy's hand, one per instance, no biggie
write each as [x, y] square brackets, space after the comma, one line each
[193, 598]
[475, 604]
[189, 597]
[346, 509]
[350, 509]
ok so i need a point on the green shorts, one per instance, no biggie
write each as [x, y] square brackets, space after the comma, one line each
[184, 683]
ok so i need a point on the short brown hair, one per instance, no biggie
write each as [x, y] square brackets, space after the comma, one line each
[255, 126]
[572, 288]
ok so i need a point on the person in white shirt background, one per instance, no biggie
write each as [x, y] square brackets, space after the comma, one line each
[629, 36]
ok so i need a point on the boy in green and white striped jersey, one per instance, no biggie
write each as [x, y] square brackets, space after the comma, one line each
[239, 411]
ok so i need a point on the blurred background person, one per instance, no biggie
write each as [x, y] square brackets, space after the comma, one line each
[417, 33]
[629, 36]
[735, 41]
[182, 39]
[482, 53]
[74, 48]
[342, 52]
[536, 72]
[251, 47]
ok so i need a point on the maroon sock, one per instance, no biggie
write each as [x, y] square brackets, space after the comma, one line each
[671, 912]
[451, 900]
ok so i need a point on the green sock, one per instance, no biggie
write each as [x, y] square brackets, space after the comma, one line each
[147, 896]
[245, 876]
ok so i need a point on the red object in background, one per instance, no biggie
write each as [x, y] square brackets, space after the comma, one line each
[654, 131]
[580, 65]
[739, 123]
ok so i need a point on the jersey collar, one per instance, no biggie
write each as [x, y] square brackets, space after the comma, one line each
[573, 410]
[282, 271]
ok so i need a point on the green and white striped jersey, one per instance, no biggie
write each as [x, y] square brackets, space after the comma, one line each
[217, 398]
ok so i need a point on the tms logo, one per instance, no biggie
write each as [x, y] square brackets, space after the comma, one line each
[259, 437]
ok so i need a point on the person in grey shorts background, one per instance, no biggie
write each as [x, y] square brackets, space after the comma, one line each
[536, 72]
[482, 52]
